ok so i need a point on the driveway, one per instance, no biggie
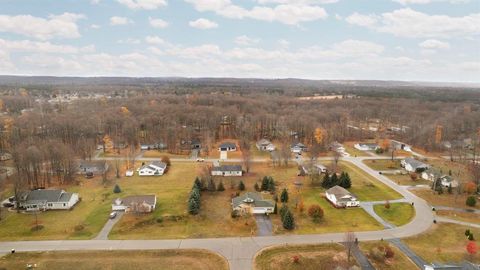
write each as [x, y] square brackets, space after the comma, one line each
[103, 234]
[264, 225]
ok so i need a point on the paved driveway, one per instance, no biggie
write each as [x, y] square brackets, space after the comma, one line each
[103, 234]
[264, 225]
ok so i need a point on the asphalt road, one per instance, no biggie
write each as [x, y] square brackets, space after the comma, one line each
[240, 251]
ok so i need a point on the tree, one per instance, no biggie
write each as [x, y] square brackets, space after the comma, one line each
[283, 211]
[166, 160]
[472, 248]
[333, 180]
[211, 185]
[389, 252]
[116, 189]
[275, 208]
[256, 187]
[326, 183]
[265, 183]
[349, 241]
[284, 196]
[471, 201]
[470, 187]
[271, 184]
[220, 186]
[193, 207]
[315, 212]
[241, 185]
[288, 221]
[197, 183]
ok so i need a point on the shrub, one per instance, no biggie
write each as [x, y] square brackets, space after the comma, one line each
[166, 160]
[235, 214]
[471, 201]
[159, 219]
[296, 259]
[387, 204]
[241, 185]
[301, 206]
[414, 176]
[467, 232]
[284, 196]
[37, 228]
[379, 151]
[389, 252]
[315, 212]
[470, 187]
[79, 228]
[220, 186]
[116, 189]
[377, 254]
[470, 237]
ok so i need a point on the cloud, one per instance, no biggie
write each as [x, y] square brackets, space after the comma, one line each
[131, 41]
[157, 23]
[433, 44]
[143, 4]
[408, 2]
[55, 26]
[42, 47]
[290, 14]
[309, 2]
[155, 40]
[245, 40]
[116, 20]
[203, 24]
[94, 26]
[413, 24]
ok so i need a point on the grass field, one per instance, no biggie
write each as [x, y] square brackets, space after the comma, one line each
[160, 154]
[443, 243]
[91, 213]
[406, 180]
[383, 164]
[462, 216]
[311, 257]
[444, 199]
[398, 214]
[398, 262]
[125, 260]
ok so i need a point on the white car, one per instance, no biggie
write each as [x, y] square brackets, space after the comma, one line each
[129, 173]
[200, 159]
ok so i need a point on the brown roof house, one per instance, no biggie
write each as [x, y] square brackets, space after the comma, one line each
[136, 204]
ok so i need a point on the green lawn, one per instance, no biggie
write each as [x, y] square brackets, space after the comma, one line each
[398, 214]
[383, 164]
[398, 262]
[91, 213]
[311, 257]
[174, 259]
[406, 180]
[443, 242]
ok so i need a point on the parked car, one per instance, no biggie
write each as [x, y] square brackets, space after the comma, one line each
[129, 173]
[200, 159]
[112, 215]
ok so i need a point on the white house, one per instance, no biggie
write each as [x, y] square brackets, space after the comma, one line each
[367, 146]
[448, 181]
[400, 146]
[265, 145]
[153, 169]
[413, 165]
[47, 199]
[431, 174]
[340, 197]
[253, 203]
[227, 146]
[298, 148]
[227, 170]
[92, 166]
[307, 169]
[137, 203]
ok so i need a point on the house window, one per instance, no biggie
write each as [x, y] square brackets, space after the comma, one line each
[50, 204]
[64, 204]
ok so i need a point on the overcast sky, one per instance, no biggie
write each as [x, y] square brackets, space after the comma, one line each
[416, 40]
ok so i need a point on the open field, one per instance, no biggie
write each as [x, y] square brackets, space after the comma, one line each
[443, 242]
[160, 154]
[91, 213]
[383, 164]
[444, 199]
[172, 192]
[398, 214]
[318, 257]
[398, 262]
[462, 216]
[125, 260]
[406, 180]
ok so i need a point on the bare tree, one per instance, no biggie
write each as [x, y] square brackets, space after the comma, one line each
[349, 240]
[246, 154]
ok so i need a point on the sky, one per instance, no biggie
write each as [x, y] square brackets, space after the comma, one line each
[409, 40]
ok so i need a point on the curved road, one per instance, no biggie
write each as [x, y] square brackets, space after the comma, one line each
[240, 251]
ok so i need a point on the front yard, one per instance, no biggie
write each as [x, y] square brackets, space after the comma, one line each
[397, 214]
[444, 199]
[383, 164]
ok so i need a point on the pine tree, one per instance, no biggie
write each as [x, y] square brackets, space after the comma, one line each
[271, 184]
[256, 187]
[193, 207]
[348, 181]
[283, 211]
[288, 221]
[284, 196]
[116, 189]
[220, 186]
[265, 183]
[326, 181]
[275, 210]
[198, 183]
[241, 185]
[333, 180]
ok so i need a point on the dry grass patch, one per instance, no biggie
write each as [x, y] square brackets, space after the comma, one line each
[443, 242]
[398, 262]
[462, 216]
[125, 260]
[406, 180]
[160, 154]
[459, 171]
[383, 164]
[318, 257]
[444, 199]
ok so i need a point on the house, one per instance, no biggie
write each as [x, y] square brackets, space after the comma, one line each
[92, 167]
[340, 197]
[366, 146]
[227, 170]
[155, 168]
[448, 181]
[137, 204]
[253, 203]
[265, 145]
[47, 199]
[227, 146]
[396, 145]
[431, 174]
[298, 148]
[337, 147]
[5, 156]
[413, 165]
[307, 169]
[153, 146]
[195, 144]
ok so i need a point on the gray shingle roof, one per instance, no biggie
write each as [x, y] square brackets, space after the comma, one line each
[138, 199]
[47, 195]
[228, 145]
[415, 163]
[251, 197]
[339, 192]
[227, 168]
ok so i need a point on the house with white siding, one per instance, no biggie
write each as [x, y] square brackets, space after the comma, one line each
[47, 199]
[340, 197]
[227, 170]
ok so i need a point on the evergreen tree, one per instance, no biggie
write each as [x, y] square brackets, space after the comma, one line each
[220, 186]
[333, 180]
[193, 207]
[265, 183]
[283, 211]
[116, 189]
[288, 221]
[256, 187]
[348, 181]
[241, 185]
[211, 185]
[271, 184]
[326, 181]
[198, 183]
[275, 210]
[284, 196]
